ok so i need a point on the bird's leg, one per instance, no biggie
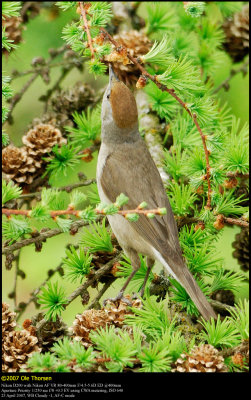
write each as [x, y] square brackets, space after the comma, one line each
[135, 261]
[149, 263]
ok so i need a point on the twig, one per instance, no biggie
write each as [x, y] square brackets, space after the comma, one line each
[69, 211]
[237, 175]
[233, 72]
[218, 306]
[100, 293]
[83, 14]
[154, 79]
[91, 149]
[42, 236]
[103, 270]
[181, 221]
[101, 360]
[67, 188]
[39, 181]
[18, 96]
[17, 259]
[56, 86]
[124, 213]
[243, 347]
[234, 221]
[64, 63]
[78, 224]
[203, 138]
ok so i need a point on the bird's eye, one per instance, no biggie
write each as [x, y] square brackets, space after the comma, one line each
[108, 96]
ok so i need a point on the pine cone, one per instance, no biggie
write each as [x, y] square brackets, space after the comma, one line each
[100, 258]
[224, 296]
[138, 44]
[242, 190]
[204, 358]
[63, 104]
[17, 347]
[241, 355]
[237, 34]
[86, 322]
[58, 120]
[241, 246]
[41, 139]
[18, 165]
[50, 332]
[13, 30]
[117, 310]
[8, 320]
[30, 9]
[76, 98]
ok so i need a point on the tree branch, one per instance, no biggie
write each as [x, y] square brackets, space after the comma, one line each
[64, 63]
[71, 211]
[56, 86]
[8, 250]
[234, 221]
[18, 96]
[67, 188]
[83, 14]
[181, 221]
[203, 138]
[14, 292]
[237, 175]
[243, 347]
[100, 293]
[42, 236]
[218, 306]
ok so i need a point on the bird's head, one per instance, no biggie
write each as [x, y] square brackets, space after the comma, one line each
[119, 111]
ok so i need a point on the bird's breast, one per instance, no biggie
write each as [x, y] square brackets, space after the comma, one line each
[122, 229]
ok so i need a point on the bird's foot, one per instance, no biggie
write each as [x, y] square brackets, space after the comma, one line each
[121, 297]
[136, 296]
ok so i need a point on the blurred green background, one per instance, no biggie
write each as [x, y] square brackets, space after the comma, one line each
[42, 33]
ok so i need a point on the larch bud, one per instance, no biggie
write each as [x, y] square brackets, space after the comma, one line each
[219, 223]
[141, 83]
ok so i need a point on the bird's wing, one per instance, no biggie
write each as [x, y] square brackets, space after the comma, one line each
[133, 162]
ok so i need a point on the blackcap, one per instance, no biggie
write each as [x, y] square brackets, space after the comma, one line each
[126, 166]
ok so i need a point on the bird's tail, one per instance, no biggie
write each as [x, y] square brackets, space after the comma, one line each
[182, 274]
[189, 283]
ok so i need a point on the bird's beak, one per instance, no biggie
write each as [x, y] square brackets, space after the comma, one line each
[112, 75]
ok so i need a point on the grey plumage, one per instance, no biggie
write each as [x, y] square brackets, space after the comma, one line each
[125, 166]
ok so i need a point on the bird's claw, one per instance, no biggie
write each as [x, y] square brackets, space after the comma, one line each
[118, 297]
[136, 296]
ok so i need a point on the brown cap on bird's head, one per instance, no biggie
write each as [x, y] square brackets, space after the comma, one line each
[124, 108]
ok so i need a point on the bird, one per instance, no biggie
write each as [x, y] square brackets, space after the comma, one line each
[125, 166]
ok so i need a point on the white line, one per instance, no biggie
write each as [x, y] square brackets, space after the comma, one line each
[164, 263]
